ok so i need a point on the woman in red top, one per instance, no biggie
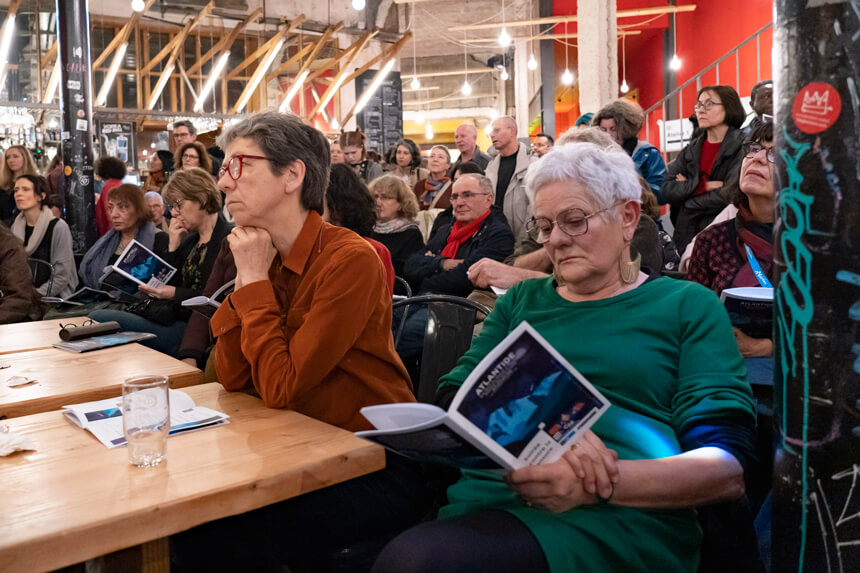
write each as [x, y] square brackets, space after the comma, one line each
[700, 181]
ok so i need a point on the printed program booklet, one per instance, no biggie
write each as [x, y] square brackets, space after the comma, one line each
[103, 418]
[137, 266]
[750, 310]
[207, 305]
[522, 405]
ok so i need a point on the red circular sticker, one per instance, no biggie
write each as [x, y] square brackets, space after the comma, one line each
[816, 107]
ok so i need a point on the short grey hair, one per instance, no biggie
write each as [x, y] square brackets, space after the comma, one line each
[285, 139]
[484, 182]
[608, 175]
[590, 134]
[508, 121]
[154, 195]
[443, 148]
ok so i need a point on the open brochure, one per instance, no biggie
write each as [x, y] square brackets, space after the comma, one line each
[103, 341]
[103, 418]
[522, 405]
[137, 266]
[750, 310]
[207, 305]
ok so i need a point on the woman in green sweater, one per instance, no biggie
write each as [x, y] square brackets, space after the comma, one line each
[680, 429]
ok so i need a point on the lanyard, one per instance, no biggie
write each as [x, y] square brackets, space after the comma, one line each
[756, 268]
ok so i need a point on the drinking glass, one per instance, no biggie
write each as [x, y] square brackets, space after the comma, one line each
[146, 419]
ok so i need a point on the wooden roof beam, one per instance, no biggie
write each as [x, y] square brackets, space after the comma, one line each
[178, 40]
[348, 56]
[264, 49]
[657, 10]
[226, 42]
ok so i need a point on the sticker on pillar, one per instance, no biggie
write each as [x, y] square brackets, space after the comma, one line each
[85, 180]
[816, 107]
[82, 113]
[81, 125]
[73, 85]
[68, 170]
[79, 99]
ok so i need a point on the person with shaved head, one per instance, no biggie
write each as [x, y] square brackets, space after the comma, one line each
[508, 171]
[466, 140]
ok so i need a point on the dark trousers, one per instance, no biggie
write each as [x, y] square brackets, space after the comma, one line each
[305, 532]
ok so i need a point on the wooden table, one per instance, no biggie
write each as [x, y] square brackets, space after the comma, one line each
[68, 378]
[24, 336]
[74, 499]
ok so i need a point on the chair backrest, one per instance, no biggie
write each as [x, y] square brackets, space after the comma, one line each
[401, 287]
[43, 272]
[447, 336]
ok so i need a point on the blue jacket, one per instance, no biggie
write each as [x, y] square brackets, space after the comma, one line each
[493, 240]
[650, 165]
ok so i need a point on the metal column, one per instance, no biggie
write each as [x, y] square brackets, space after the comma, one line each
[73, 36]
[816, 503]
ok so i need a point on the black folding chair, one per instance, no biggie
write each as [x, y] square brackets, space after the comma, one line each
[450, 321]
[43, 272]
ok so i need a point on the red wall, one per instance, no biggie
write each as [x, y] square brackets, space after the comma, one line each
[714, 28]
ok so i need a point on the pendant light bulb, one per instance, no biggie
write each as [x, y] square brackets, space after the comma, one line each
[624, 87]
[415, 84]
[137, 5]
[428, 131]
[532, 63]
[504, 75]
[466, 89]
[675, 63]
[335, 124]
[358, 4]
[504, 38]
[567, 77]
[419, 118]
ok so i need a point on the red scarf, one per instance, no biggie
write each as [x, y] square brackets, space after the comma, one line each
[461, 233]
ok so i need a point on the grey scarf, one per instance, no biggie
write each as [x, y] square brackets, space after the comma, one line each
[20, 225]
[394, 226]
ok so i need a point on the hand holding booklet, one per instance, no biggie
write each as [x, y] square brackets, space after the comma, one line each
[137, 266]
[522, 405]
[103, 418]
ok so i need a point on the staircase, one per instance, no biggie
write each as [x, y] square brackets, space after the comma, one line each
[670, 134]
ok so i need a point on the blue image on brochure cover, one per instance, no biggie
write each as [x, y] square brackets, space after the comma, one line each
[527, 390]
[143, 265]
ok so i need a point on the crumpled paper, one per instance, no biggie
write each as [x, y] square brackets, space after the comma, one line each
[11, 442]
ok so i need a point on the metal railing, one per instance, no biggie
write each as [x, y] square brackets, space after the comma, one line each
[662, 104]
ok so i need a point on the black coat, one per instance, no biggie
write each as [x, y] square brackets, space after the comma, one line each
[691, 214]
[177, 258]
[493, 240]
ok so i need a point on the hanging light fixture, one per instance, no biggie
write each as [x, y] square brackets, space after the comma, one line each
[428, 131]
[419, 118]
[335, 124]
[467, 87]
[210, 83]
[567, 76]
[532, 63]
[675, 62]
[358, 4]
[504, 73]
[414, 84]
[137, 5]
[624, 87]
[504, 37]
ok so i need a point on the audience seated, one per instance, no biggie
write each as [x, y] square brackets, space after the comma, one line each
[353, 144]
[184, 132]
[336, 153]
[195, 236]
[507, 172]
[622, 499]
[193, 155]
[395, 225]
[130, 220]
[308, 327]
[16, 161]
[434, 191]
[156, 207]
[466, 140]
[45, 237]
[110, 170]
[348, 204]
[623, 120]
[405, 162]
[720, 258]
[19, 301]
[530, 259]
[761, 101]
[704, 175]
[476, 233]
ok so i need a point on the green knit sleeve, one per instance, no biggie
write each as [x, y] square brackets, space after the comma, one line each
[712, 380]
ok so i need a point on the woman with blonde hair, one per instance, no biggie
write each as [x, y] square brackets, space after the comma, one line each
[396, 208]
[16, 161]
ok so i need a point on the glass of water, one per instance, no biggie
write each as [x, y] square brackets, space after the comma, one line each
[146, 419]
